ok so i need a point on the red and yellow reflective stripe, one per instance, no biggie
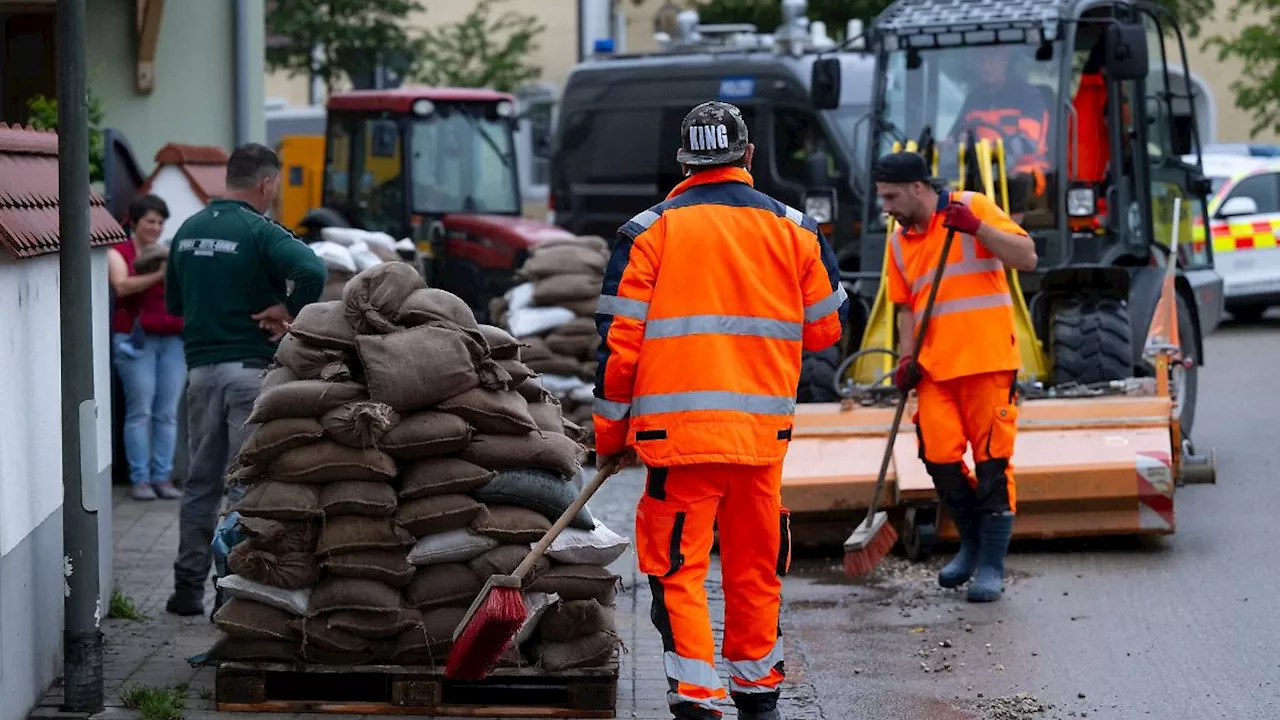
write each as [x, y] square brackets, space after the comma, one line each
[1234, 236]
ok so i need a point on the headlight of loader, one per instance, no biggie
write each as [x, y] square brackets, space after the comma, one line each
[1080, 202]
[821, 207]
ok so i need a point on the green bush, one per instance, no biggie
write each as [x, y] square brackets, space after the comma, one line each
[44, 116]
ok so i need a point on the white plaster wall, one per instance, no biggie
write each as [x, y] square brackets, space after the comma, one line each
[172, 186]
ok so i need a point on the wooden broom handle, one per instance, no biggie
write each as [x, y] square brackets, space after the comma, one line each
[605, 471]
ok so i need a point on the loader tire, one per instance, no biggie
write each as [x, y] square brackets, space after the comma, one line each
[817, 376]
[1091, 341]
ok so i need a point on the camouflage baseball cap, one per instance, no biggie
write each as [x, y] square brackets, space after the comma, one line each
[713, 133]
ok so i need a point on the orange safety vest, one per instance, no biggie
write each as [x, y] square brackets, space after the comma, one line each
[971, 330]
[708, 299]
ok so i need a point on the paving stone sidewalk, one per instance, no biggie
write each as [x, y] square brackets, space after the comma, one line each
[153, 652]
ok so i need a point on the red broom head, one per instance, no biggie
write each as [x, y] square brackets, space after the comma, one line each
[487, 635]
[863, 561]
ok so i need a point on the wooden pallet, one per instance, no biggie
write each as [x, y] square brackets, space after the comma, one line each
[414, 690]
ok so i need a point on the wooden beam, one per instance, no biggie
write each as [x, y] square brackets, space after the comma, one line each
[148, 13]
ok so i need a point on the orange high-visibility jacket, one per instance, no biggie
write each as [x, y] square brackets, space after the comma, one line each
[971, 330]
[708, 298]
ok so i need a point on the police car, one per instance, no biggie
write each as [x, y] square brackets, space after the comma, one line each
[1244, 225]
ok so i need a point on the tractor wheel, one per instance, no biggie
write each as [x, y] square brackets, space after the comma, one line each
[817, 376]
[1091, 341]
[1185, 380]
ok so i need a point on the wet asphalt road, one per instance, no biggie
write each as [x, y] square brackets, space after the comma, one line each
[1174, 628]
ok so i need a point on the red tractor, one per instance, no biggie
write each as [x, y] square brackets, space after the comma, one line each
[437, 166]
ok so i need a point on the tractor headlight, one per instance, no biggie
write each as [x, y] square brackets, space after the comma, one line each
[423, 107]
[505, 109]
[820, 207]
[1080, 202]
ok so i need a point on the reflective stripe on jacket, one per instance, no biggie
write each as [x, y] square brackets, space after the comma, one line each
[971, 330]
[707, 300]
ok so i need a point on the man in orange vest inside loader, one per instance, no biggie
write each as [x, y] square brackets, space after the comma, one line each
[965, 373]
[708, 300]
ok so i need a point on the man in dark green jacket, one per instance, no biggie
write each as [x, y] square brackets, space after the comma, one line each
[236, 278]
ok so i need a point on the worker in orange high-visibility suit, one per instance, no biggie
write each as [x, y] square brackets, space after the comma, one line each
[708, 300]
[965, 373]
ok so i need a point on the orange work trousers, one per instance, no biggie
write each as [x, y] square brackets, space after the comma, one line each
[979, 411]
[675, 524]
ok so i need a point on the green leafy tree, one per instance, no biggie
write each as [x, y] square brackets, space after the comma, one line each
[481, 50]
[351, 34]
[44, 116]
[1257, 47]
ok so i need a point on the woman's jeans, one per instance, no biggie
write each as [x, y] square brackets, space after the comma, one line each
[153, 377]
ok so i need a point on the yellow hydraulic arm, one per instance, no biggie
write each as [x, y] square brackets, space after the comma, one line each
[881, 330]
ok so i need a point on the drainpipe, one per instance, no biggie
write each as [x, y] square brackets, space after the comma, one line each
[240, 81]
[82, 627]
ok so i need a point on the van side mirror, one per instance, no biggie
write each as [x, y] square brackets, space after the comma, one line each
[1126, 51]
[824, 84]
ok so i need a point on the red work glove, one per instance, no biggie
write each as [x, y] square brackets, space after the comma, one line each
[907, 376]
[960, 218]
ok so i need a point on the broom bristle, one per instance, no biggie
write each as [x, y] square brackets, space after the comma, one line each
[487, 635]
[862, 562]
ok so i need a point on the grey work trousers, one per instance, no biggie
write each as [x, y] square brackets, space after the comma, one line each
[219, 400]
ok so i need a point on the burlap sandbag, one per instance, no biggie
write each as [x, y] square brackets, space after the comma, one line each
[430, 643]
[318, 633]
[303, 399]
[563, 365]
[372, 298]
[248, 620]
[518, 371]
[355, 497]
[578, 347]
[559, 289]
[437, 514]
[289, 571]
[588, 370]
[502, 346]
[593, 650]
[359, 424]
[533, 391]
[490, 411]
[583, 308]
[547, 415]
[550, 451]
[426, 434]
[578, 326]
[275, 377]
[279, 536]
[358, 594]
[577, 433]
[270, 440]
[504, 559]
[538, 490]
[375, 626]
[572, 619]
[334, 287]
[389, 566]
[442, 585]
[280, 501]
[432, 305]
[327, 461]
[578, 582]
[317, 655]
[535, 349]
[441, 476]
[150, 259]
[353, 533]
[563, 259]
[417, 368]
[512, 524]
[594, 243]
[324, 325]
[309, 362]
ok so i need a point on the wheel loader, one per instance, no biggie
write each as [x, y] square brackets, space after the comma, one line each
[1075, 116]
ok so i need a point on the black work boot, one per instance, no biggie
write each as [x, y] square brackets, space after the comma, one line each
[185, 603]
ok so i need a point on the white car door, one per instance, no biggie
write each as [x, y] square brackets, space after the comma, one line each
[1244, 230]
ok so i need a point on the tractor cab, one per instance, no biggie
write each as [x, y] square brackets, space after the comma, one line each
[438, 166]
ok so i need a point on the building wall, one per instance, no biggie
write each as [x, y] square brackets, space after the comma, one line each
[193, 98]
[31, 498]
[1233, 123]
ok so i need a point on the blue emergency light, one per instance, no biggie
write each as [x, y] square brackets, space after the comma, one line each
[604, 46]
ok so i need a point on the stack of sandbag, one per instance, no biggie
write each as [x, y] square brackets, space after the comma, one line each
[553, 313]
[347, 251]
[402, 434]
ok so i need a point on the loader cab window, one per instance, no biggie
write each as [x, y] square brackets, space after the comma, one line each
[463, 161]
[379, 186]
[337, 168]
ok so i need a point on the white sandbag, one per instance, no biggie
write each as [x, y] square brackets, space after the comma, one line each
[404, 245]
[334, 255]
[342, 236]
[458, 545]
[600, 546]
[363, 256]
[290, 601]
[584, 394]
[519, 297]
[537, 320]
[377, 237]
[566, 385]
[536, 603]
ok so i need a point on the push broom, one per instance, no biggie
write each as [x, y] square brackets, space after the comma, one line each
[497, 614]
[874, 537]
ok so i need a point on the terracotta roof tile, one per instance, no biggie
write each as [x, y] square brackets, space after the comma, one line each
[204, 165]
[29, 196]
